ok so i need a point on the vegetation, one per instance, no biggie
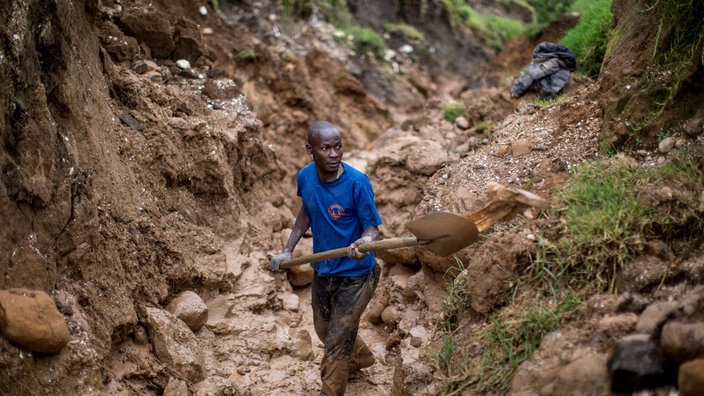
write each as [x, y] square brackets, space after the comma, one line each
[494, 30]
[405, 30]
[246, 55]
[365, 40]
[589, 38]
[547, 11]
[608, 210]
[336, 12]
[454, 109]
[678, 52]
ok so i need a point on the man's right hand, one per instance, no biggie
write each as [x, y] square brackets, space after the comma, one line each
[277, 260]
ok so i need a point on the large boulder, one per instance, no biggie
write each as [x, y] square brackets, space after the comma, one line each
[30, 319]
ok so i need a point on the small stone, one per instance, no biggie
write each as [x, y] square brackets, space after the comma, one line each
[300, 275]
[636, 366]
[183, 64]
[667, 144]
[584, 376]
[502, 150]
[140, 67]
[203, 10]
[521, 147]
[654, 316]
[391, 315]
[178, 123]
[462, 122]
[154, 76]
[131, 121]
[682, 341]
[290, 302]
[190, 308]
[406, 49]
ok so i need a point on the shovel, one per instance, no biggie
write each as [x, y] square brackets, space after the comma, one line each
[441, 232]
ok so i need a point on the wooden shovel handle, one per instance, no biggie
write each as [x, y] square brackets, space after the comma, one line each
[384, 244]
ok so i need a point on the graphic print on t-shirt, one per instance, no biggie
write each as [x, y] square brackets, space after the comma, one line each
[336, 211]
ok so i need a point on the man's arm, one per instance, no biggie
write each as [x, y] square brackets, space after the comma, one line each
[369, 235]
[300, 226]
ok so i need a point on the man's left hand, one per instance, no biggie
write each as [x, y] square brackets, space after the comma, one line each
[354, 253]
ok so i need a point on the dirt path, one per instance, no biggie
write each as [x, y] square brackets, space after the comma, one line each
[262, 336]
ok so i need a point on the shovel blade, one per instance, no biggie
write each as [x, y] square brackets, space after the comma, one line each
[443, 233]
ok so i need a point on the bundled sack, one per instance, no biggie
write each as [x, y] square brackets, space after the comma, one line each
[549, 72]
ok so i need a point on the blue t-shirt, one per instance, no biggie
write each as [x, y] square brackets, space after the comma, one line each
[339, 211]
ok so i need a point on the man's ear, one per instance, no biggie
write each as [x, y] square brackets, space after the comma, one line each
[309, 149]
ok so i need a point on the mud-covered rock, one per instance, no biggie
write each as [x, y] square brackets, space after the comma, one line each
[151, 27]
[190, 308]
[30, 319]
[175, 345]
[188, 41]
[682, 341]
[586, 376]
[637, 366]
[176, 387]
[655, 315]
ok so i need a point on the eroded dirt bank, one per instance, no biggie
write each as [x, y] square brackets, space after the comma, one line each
[129, 178]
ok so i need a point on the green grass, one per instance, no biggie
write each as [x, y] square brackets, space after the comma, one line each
[495, 31]
[550, 102]
[590, 37]
[336, 12]
[365, 40]
[453, 109]
[246, 55]
[514, 334]
[547, 11]
[607, 216]
[607, 210]
[405, 30]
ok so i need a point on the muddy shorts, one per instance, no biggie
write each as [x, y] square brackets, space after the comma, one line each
[338, 303]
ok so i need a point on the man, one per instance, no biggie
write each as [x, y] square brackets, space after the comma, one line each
[338, 206]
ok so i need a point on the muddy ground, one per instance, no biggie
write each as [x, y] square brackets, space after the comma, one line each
[129, 178]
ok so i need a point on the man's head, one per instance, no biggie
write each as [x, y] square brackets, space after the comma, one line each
[325, 145]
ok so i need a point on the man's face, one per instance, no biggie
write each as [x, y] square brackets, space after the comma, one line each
[326, 148]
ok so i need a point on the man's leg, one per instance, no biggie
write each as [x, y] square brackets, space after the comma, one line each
[347, 303]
